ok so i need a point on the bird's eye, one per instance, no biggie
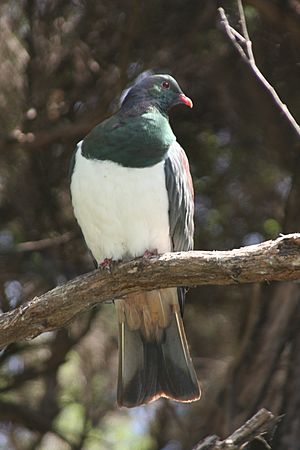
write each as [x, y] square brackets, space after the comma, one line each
[165, 84]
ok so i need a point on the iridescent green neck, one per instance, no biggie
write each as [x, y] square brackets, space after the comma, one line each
[131, 138]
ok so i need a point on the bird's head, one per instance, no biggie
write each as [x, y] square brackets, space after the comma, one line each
[161, 91]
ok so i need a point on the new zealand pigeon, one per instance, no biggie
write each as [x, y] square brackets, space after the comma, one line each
[132, 195]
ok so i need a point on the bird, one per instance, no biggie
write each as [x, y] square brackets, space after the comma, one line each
[132, 196]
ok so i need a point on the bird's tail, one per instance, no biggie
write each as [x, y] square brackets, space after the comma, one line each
[154, 359]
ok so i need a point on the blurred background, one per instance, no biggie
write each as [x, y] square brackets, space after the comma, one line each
[64, 65]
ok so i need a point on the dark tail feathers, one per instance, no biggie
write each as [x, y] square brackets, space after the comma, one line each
[149, 370]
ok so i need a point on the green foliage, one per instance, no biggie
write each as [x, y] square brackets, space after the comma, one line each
[272, 228]
[70, 421]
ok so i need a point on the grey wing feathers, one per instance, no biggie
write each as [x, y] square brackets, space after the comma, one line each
[181, 204]
[181, 199]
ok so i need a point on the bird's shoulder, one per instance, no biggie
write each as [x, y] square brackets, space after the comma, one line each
[134, 138]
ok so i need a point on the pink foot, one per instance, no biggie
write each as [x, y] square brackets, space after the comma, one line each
[149, 253]
[106, 264]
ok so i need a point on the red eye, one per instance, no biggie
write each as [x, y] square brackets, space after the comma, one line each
[165, 84]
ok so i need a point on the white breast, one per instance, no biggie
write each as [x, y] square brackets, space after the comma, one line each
[122, 211]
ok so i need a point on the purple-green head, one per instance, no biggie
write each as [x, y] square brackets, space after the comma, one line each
[161, 91]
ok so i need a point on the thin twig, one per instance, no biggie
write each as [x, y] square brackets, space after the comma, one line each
[238, 35]
[232, 35]
[245, 31]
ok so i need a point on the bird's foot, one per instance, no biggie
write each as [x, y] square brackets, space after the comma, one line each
[106, 264]
[149, 253]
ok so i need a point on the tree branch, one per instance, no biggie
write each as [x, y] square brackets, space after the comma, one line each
[276, 260]
[245, 31]
[46, 137]
[43, 244]
[253, 429]
[238, 41]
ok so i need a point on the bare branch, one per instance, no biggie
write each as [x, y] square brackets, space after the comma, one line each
[245, 31]
[45, 138]
[42, 244]
[268, 261]
[253, 429]
[248, 58]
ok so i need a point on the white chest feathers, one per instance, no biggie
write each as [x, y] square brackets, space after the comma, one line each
[122, 211]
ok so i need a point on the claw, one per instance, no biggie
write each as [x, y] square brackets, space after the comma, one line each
[149, 253]
[106, 264]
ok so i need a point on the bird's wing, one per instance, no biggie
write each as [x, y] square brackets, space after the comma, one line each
[181, 204]
[181, 199]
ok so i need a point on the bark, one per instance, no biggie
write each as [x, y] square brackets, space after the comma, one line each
[254, 428]
[276, 260]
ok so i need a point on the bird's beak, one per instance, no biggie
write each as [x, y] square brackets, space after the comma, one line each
[184, 99]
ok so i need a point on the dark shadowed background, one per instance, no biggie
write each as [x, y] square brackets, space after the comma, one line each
[63, 66]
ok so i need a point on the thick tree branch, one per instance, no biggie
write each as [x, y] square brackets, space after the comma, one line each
[276, 260]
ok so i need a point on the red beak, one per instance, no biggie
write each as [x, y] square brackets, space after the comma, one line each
[187, 101]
